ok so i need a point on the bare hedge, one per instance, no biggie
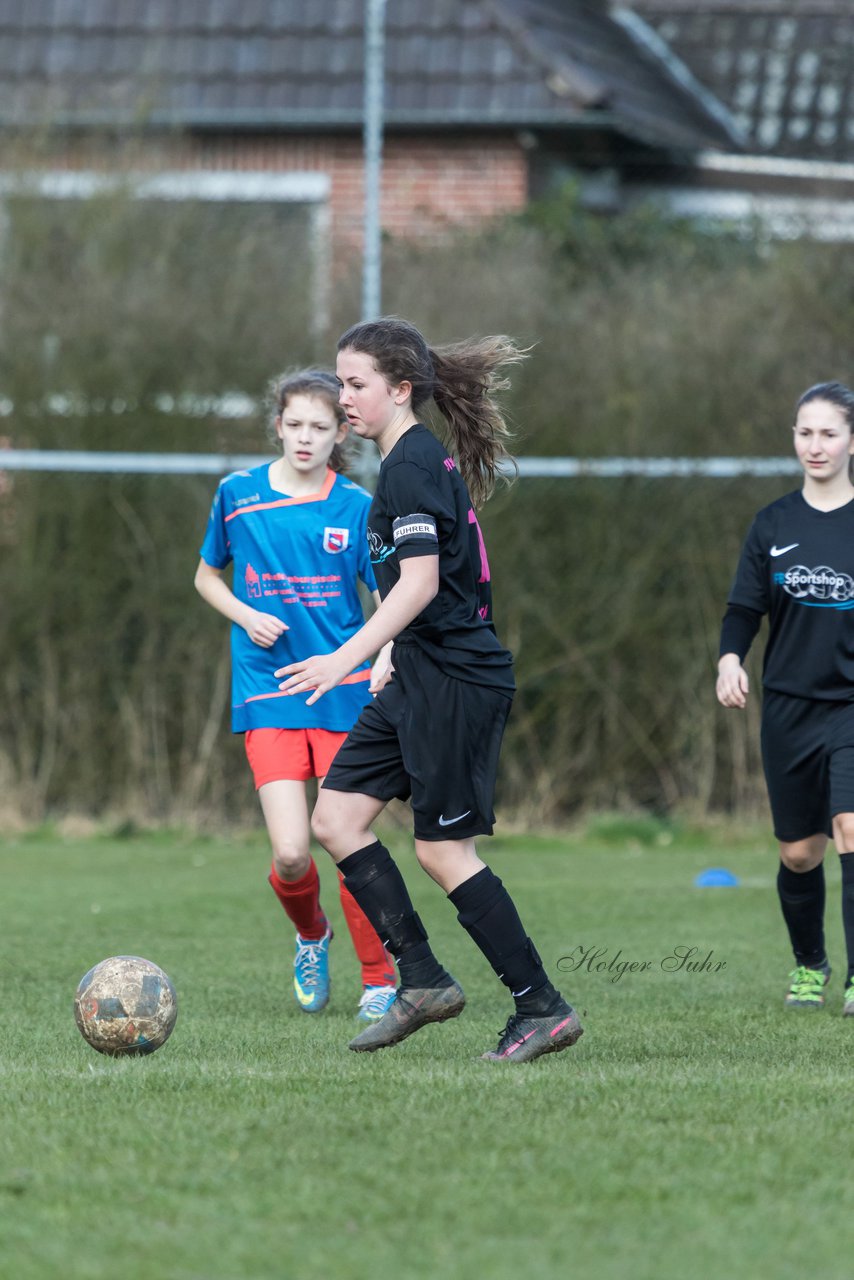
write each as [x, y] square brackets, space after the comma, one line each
[647, 338]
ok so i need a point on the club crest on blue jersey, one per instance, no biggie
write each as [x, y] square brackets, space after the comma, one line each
[335, 540]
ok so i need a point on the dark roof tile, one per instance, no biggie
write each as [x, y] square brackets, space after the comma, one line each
[251, 58]
[37, 14]
[32, 57]
[785, 68]
[552, 63]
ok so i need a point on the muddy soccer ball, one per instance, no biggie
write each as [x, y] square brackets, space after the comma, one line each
[124, 1006]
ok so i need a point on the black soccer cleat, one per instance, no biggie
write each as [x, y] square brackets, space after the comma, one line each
[413, 1008]
[524, 1039]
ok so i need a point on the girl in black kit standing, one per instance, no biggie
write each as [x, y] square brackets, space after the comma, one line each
[434, 732]
[797, 565]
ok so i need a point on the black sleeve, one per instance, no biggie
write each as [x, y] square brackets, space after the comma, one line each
[738, 629]
[750, 589]
[418, 510]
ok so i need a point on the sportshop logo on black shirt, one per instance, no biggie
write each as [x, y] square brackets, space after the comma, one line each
[797, 566]
[825, 588]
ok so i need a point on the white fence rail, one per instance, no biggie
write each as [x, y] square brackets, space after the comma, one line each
[529, 467]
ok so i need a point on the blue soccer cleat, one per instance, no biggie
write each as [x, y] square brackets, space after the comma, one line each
[375, 1003]
[311, 973]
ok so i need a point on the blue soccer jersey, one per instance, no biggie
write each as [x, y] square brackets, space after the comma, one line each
[298, 559]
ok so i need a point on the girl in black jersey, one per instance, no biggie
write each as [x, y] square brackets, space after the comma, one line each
[797, 565]
[434, 732]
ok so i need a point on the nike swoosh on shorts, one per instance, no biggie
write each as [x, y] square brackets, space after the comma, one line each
[449, 822]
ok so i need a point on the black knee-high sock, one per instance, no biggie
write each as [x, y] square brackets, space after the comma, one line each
[375, 882]
[846, 862]
[487, 913]
[802, 902]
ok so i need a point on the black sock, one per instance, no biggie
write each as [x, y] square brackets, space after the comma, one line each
[846, 862]
[375, 882]
[802, 902]
[487, 913]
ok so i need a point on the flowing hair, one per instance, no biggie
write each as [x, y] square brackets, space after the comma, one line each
[462, 378]
[320, 384]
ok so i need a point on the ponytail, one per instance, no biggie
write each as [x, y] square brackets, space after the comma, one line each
[468, 376]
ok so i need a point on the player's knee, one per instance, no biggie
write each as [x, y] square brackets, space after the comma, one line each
[429, 859]
[325, 828]
[290, 859]
[843, 831]
[800, 857]
[448, 862]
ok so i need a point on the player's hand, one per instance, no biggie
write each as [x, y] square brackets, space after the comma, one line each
[321, 673]
[264, 629]
[382, 670]
[732, 685]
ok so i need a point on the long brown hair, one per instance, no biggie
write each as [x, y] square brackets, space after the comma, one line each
[462, 378]
[320, 384]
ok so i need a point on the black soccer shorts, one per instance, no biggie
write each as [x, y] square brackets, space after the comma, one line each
[432, 738]
[808, 757]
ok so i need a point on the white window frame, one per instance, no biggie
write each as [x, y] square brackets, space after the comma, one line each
[219, 186]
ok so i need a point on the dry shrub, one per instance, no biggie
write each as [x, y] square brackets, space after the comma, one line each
[646, 339]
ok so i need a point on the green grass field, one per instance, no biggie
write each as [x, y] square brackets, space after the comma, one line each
[696, 1129]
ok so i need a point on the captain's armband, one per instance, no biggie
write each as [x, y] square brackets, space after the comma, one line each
[417, 527]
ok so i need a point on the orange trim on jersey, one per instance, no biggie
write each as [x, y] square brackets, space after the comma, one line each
[354, 678]
[320, 496]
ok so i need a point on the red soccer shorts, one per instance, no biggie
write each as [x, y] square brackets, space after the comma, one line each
[277, 755]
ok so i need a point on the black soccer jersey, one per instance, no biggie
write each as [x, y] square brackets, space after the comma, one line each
[422, 507]
[797, 565]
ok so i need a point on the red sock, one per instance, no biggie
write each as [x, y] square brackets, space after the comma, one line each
[377, 964]
[301, 900]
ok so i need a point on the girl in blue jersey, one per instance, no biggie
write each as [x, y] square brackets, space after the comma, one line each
[797, 565]
[433, 733]
[294, 531]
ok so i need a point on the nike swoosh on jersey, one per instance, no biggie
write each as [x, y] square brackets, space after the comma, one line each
[449, 822]
[780, 551]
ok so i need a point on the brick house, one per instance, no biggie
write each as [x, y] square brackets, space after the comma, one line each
[726, 108]
[486, 101]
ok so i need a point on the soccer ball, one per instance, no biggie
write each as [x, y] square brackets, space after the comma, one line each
[124, 1006]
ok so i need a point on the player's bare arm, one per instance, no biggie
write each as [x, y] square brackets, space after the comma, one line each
[381, 671]
[416, 587]
[262, 628]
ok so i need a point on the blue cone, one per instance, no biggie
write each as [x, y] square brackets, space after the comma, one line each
[716, 877]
